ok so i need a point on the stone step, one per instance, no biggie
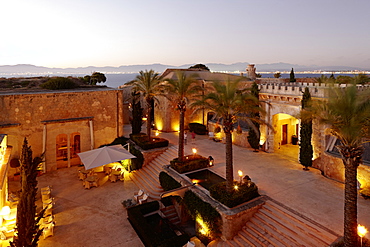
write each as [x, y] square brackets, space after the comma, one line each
[247, 238]
[171, 214]
[153, 170]
[149, 178]
[153, 194]
[163, 161]
[154, 184]
[272, 225]
[300, 223]
[156, 166]
[254, 238]
[260, 233]
[299, 230]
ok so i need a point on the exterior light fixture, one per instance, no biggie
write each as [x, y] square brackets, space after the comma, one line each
[194, 150]
[157, 133]
[240, 173]
[236, 187]
[361, 231]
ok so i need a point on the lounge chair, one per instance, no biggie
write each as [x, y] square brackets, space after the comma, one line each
[139, 195]
[46, 189]
[45, 196]
[48, 230]
[49, 210]
[144, 199]
[47, 202]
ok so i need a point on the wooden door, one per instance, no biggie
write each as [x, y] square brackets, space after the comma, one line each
[284, 134]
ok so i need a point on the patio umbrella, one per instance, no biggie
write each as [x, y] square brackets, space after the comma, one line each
[104, 155]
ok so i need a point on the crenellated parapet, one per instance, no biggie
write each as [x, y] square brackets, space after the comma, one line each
[294, 91]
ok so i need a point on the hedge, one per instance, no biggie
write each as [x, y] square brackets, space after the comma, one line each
[199, 129]
[142, 141]
[196, 207]
[167, 182]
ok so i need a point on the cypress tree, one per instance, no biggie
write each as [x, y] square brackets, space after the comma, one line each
[253, 137]
[28, 231]
[292, 77]
[137, 113]
[305, 150]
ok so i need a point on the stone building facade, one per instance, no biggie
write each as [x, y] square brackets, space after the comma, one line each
[61, 124]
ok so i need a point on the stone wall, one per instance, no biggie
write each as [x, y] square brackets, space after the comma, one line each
[234, 219]
[41, 116]
[238, 139]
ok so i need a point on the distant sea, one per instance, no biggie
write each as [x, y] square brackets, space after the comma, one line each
[116, 80]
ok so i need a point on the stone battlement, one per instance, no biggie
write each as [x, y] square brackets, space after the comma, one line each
[318, 90]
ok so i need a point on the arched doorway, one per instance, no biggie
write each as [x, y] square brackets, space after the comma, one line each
[286, 134]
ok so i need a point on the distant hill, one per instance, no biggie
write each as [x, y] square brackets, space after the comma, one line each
[28, 69]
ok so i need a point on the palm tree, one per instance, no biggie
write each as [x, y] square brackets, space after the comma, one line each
[229, 103]
[180, 90]
[147, 84]
[347, 112]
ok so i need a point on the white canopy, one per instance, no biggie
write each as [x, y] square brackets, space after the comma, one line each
[104, 155]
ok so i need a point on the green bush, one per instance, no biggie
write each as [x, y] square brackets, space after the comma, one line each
[145, 230]
[167, 182]
[57, 83]
[244, 193]
[142, 141]
[196, 207]
[199, 129]
[191, 162]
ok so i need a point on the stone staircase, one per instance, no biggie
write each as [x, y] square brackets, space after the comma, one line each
[276, 225]
[147, 178]
[170, 213]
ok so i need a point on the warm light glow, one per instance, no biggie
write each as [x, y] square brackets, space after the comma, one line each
[157, 133]
[236, 187]
[195, 181]
[203, 229]
[194, 150]
[144, 119]
[361, 230]
[211, 163]
[240, 173]
[5, 211]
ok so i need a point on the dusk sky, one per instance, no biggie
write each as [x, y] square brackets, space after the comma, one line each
[79, 33]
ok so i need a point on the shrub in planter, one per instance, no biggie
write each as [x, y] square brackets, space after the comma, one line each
[245, 192]
[167, 182]
[191, 162]
[199, 129]
[142, 141]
